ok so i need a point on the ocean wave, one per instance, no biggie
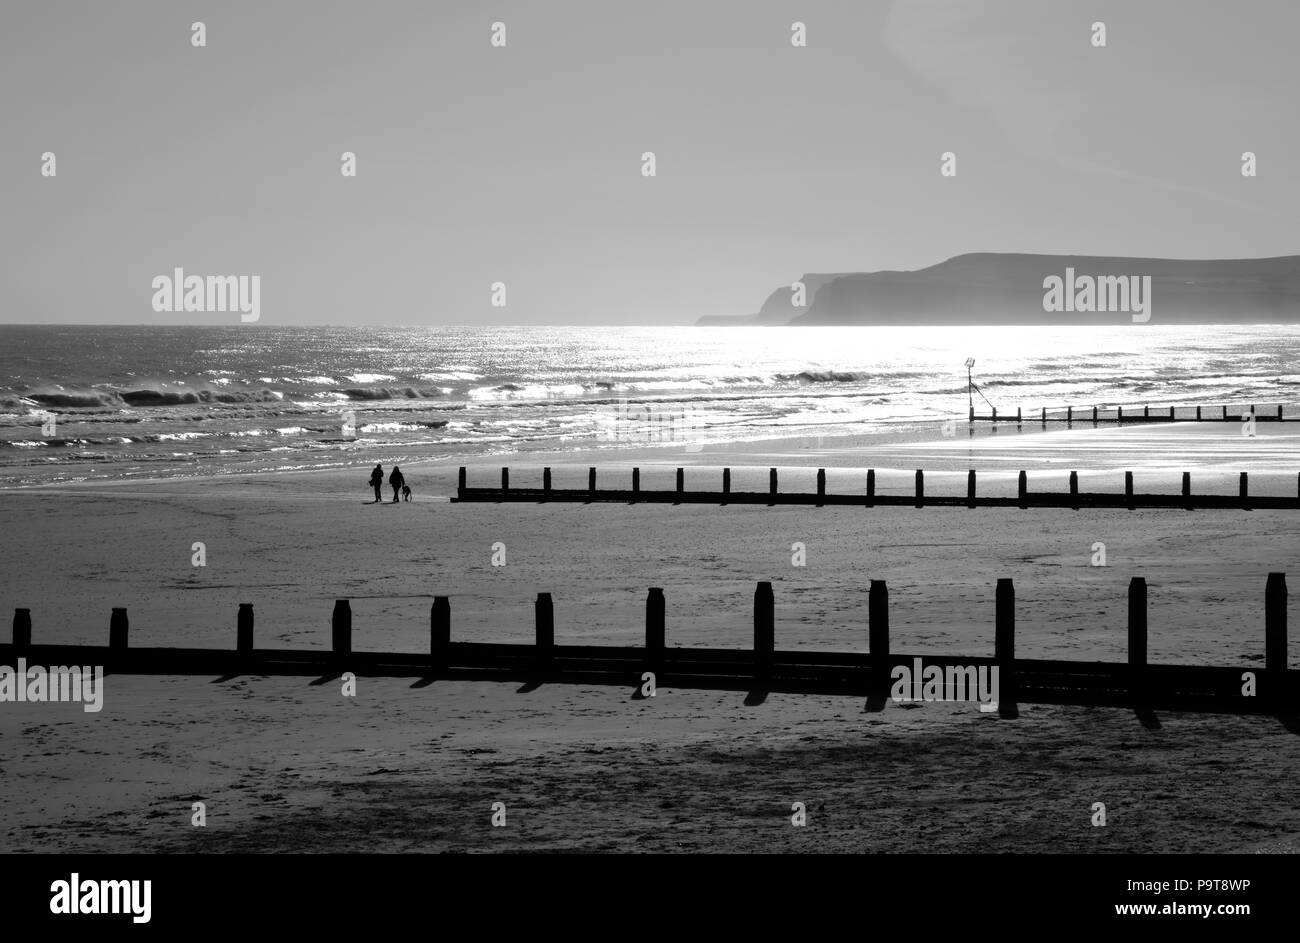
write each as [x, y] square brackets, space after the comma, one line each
[824, 376]
[386, 392]
[102, 398]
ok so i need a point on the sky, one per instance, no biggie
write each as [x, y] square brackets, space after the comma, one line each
[523, 165]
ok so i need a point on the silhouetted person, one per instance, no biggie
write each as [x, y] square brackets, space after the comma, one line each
[377, 482]
[396, 480]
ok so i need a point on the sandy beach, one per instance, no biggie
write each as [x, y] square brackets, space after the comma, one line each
[594, 768]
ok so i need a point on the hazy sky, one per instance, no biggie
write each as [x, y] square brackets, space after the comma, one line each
[523, 164]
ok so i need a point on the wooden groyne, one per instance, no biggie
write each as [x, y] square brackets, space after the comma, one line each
[1136, 683]
[1072, 497]
[1138, 414]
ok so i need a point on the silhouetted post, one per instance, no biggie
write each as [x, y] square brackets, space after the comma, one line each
[821, 486]
[878, 680]
[681, 481]
[505, 481]
[546, 480]
[1017, 414]
[1225, 413]
[439, 632]
[544, 620]
[764, 630]
[460, 483]
[771, 487]
[1023, 489]
[726, 483]
[1128, 489]
[1119, 414]
[1074, 490]
[1171, 414]
[244, 628]
[920, 488]
[1244, 490]
[1187, 490]
[871, 487]
[654, 628]
[1137, 637]
[591, 481]
[972, 414]
[1094, 415]
[1275, 635]
[117, 629]
[995, 414]
[1069, 414]
[970, 488]
[22, 637]
[1146, 412]
[1198, 414]
[1044, 415]
[636, 482]
[1279, 412]
[1004, 640]
[341, 623]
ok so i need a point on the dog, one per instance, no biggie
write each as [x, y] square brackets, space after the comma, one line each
[406, 492]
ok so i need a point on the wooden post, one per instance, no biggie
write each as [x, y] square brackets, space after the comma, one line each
[244, 628]
[439, 632]
[1119, 414]
[1146, 412]
[771, 487]
[1004, 640]
[821, 486]
[460, 483]
[681, 481]
[1017, 414]
[1275, 636]
[636, 483]
[505, 481]
[764, 630]
[1044, 415]
[972, 414]
[878, 681]
[1128, 489]
[1279, 412]
[1074, 490]
[118, 626]
[654, 628]
[341, 624]
[995, 414]
[726, 484]
[1243, 488]
[871, 487]
[1137, 637]
[920, 488]
[544, 622]
[546, 480]
[1023, 488]
[1094, 415]
[1198, 414]
[1171, 414]
[970, 488]
[1225, 413]
[22, 637]
[591, 481]
[1069, 414]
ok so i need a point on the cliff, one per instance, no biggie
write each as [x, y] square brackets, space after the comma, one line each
[1009, 288]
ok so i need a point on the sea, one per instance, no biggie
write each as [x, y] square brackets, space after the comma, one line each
[80, 403]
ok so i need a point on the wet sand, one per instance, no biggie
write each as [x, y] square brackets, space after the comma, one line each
[285, 764]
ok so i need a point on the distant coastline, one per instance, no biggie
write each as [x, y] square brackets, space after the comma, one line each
[993, 288]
